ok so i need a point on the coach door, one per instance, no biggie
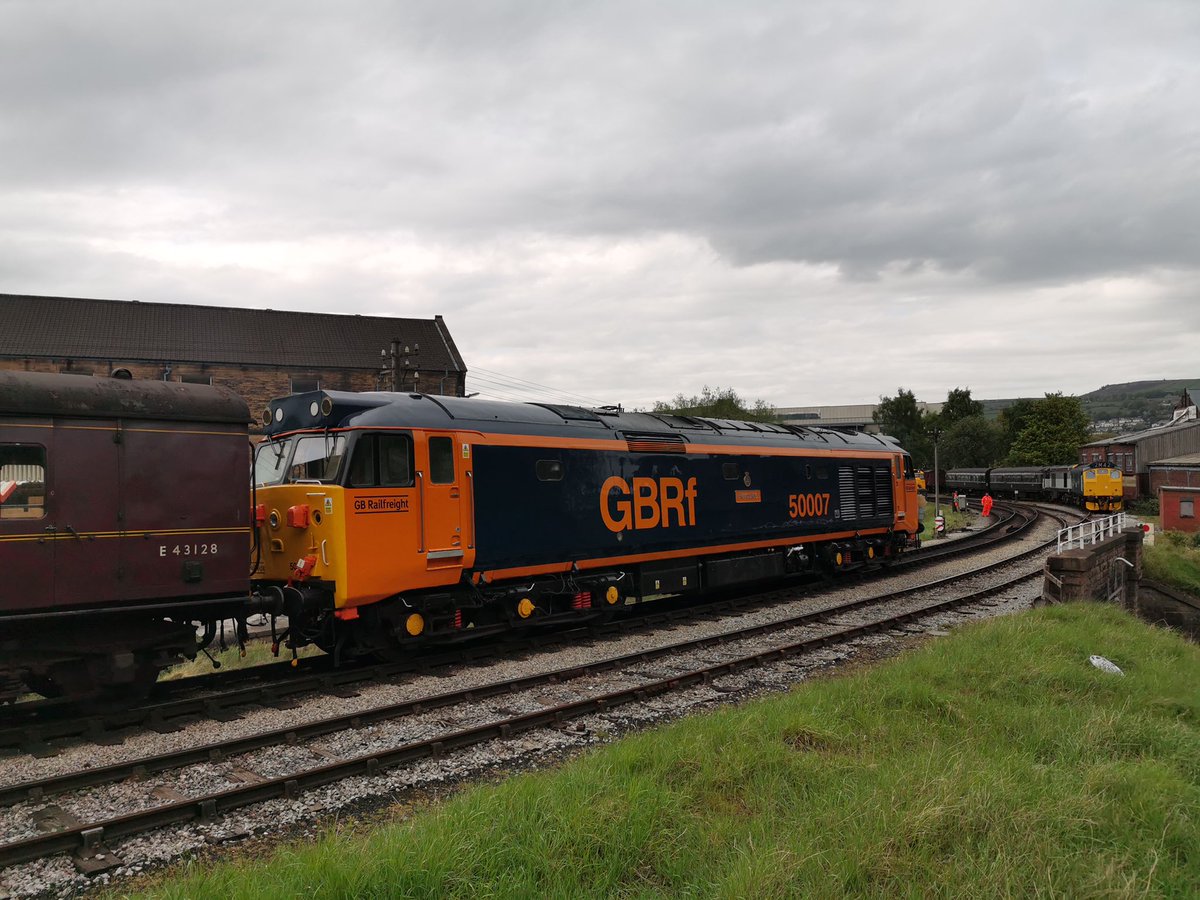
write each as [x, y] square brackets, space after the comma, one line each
[26, 532]
[85, 517]
[440, 483]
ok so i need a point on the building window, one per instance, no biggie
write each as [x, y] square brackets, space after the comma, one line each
[305, 385]
[22, 481]
[196, 379]
[1187, 508]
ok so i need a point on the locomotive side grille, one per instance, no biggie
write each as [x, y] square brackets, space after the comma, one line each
[883, 492]
[651, 442]
[846, 494]
[864, 484]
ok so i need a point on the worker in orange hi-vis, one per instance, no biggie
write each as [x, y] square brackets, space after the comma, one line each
[986, 504]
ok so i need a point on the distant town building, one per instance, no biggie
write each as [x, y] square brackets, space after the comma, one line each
[259, 353]
[859, 417]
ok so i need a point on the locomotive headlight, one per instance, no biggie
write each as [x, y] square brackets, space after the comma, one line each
[326, 405]
[314, 409]
[267, 416]
[273, 519]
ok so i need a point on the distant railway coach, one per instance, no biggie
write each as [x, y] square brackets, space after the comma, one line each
[386, 517]
[1097, 487]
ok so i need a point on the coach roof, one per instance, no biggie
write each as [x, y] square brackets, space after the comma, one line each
[43, 394]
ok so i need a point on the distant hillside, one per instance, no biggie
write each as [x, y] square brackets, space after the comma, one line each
[1123, 407]
[1136, 404]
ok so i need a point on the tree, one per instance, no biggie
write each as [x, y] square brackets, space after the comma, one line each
[717, 403]
[1013, 421]
[959, 406]
[899, 417]
[1053, 433]
[971, 442]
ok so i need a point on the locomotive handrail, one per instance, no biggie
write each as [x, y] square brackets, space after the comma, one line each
[421, 501]
[1090, 532]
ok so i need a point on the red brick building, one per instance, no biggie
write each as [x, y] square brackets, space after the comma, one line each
[1177, 471]
[259, 353]
[1178, 508]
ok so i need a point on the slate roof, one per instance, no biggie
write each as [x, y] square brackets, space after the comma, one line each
[1188, 459]
[1139, 436]
[78, 328]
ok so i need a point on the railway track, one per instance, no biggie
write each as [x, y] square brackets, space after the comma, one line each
[87, 840]
[34, 727]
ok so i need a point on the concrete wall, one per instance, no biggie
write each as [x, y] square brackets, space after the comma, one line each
[1163, 605]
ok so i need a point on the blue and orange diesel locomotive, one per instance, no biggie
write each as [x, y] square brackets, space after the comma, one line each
[387, 518]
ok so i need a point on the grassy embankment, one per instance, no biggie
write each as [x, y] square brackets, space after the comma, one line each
[995, 762]
[1174, 560]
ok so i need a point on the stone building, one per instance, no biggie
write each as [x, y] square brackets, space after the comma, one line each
[259, 353]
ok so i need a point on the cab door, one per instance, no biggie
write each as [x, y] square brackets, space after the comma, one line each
[441, 488]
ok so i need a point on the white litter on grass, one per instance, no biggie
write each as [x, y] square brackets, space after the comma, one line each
[1105, 665]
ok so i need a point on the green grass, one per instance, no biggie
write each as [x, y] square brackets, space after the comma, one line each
[996, 762]
[1174, 560]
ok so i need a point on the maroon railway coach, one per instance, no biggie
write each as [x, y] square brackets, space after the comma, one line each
[102, 581]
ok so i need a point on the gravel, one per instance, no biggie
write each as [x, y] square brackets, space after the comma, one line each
[57, 876]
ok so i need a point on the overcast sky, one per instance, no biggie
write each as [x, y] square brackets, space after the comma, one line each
[811, 202]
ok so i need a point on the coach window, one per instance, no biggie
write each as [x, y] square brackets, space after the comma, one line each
[22, 481]
[441, 460]
[549, 470]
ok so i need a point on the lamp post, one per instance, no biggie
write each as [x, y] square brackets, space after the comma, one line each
[937, 499]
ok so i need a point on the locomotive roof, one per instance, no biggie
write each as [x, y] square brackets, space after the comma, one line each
[338, 409]
[41, 394]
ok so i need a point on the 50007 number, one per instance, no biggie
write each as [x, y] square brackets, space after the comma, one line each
[806, 506]
[188, 550]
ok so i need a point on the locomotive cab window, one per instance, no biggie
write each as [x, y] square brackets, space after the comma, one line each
[381, 460]
[549, 470]
[22, 481]
[317, 457]
[441, 460]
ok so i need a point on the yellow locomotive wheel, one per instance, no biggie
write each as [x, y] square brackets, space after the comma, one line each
[612, 595]
[525, 608]
[414, 624]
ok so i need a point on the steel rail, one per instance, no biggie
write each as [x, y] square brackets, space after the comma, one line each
[291, 785]
[29, 733]
[35, 790]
